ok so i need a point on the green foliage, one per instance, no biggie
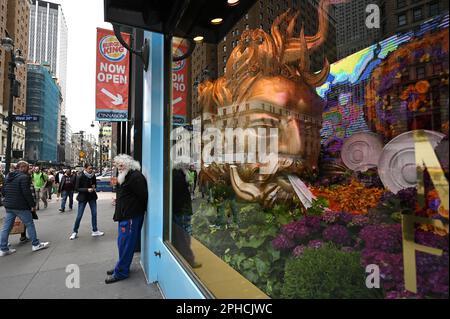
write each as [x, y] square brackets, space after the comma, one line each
[326, 273]
[247, 247]
[388, 211]
[221, 192]
[318, 207]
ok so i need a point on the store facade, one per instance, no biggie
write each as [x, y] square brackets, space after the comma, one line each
[276, 171]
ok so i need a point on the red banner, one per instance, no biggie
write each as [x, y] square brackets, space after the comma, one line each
[112, 77]
[180, 81]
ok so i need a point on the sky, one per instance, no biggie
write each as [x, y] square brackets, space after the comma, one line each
[82, 18]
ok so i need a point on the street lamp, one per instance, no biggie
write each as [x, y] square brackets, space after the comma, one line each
[100, 142]
[16, 60]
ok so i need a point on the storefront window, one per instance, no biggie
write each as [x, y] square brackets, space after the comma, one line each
[306, 177]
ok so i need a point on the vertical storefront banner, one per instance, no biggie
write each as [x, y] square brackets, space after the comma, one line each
[112, 77]
[180, 84]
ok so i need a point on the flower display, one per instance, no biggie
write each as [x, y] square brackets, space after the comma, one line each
[387, 238]
[317, 243]
[353, 198]
[337, 234]
[298, 250]
[282, 242]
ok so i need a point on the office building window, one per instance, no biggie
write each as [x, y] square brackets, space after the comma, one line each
[402, 20]
[420, 72]
[434, 9]
[401, 3]
[417, 13]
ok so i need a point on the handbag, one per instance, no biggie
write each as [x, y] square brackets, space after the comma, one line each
[18, 227]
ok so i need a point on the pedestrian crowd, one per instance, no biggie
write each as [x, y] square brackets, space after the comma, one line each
[27, 189]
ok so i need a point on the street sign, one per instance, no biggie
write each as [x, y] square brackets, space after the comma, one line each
[25, 118]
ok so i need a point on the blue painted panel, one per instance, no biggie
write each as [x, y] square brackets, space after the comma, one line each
[172, 278]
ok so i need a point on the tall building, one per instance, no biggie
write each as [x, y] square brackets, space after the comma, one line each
[209, 61]
[48, 43]
[352, 33]
[44, 100]
[14, 17]
[405, 15]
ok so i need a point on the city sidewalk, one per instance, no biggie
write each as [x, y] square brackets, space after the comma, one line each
[42, 274]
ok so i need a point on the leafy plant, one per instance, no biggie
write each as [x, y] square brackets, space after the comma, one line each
[318, 207]
[326, 273]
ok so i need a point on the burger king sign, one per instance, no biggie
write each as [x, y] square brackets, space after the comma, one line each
[112, 77]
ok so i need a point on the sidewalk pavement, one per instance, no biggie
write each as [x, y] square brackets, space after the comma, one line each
[43, 275]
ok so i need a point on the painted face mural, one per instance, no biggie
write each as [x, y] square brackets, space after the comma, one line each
[269, 83]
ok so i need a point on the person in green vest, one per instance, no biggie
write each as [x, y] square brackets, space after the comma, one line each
[191, 176]
[39, 180]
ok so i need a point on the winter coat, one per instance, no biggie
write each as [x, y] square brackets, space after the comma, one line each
[132, 197]
[17, 192]
[62, 182]
[83, 183]
[181, 198]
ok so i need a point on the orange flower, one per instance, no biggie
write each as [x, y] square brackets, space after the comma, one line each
[422, 87]
[404, 96]
[443, 212]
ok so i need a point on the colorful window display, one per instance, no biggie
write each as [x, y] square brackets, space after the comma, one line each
[298, 183]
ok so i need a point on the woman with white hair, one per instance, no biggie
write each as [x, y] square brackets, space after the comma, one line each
[131, 205]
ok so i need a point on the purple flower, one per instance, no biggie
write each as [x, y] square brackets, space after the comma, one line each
[434, 204]
[432, 240]
[312, 222]
[359, 221]
[408, 197]
[316, 244]
[331, 217]
[299, 250]
[387, 196]
[282, 242]
[391, 267]
[387, 238]
[337, 234]
[296, 230]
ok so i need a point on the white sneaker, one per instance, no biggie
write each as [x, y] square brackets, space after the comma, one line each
[6, 253]
[97, 233]
[73, 236]
[41, 246]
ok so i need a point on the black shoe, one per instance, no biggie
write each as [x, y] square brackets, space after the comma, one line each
[24, 240]
[110, 272]
[61, 210]
[112, 279]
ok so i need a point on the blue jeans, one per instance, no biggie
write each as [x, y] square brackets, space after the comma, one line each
[81, 207]
[129, 234]
[66, 194]
[26, 218]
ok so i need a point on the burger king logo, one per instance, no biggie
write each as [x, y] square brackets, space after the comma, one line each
[111, 49]
[179, 65]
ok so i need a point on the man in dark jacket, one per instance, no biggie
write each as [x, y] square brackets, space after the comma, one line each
[85, 186]
[131, 205]
[66, 188]
[19, 202]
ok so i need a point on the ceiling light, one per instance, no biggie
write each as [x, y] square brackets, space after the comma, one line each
[233, 2]
[198, 38]
[217, 21]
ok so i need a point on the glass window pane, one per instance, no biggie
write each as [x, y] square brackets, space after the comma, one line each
[285, 169]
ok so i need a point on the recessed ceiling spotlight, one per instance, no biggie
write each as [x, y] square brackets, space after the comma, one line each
[217, 21]
[233, 2]
[198, 38]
